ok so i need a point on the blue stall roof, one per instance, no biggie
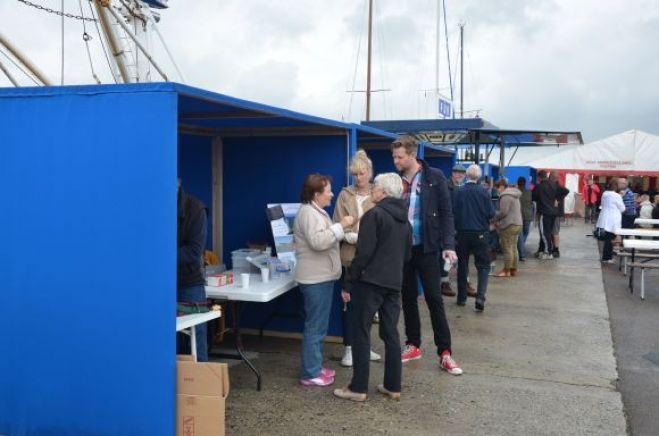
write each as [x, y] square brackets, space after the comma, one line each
[214, 114]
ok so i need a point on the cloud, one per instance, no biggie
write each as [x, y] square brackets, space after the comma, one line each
[546, 64]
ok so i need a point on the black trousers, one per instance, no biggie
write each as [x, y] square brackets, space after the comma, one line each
[607, 250]
[367, 299]
[628, 221]
[475, 243]
[545, 226]
[426, 266]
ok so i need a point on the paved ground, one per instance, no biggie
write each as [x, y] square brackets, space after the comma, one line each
[635, 325]
[538, 361]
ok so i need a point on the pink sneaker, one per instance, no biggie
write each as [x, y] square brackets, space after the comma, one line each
[321, 380]
[327, 372]
[447, 363]
[411, 353]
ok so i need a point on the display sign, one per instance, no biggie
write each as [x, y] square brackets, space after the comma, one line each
[282, 217]
[445, 107]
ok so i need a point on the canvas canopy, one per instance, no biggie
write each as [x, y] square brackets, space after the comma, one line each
[631, 153]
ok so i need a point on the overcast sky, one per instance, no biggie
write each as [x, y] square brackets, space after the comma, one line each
[588, 65]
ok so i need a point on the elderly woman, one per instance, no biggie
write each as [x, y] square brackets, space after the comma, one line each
[318, 267]
[509, 223]
[374, 282]
[610, 218]
[354, 200]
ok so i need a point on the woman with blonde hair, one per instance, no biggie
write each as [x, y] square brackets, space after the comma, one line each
[354, 200]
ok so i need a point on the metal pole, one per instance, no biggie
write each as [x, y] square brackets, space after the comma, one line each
[137, 43]
[437, 49]
[462, 74]
[368, 65]
[111, 38]
[8, 74]
[24, 60]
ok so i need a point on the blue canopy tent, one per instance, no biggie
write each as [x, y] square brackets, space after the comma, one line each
[89, 244]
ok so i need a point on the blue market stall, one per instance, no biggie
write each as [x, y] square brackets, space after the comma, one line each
[89, 243]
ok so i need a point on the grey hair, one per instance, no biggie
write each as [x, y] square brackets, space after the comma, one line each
[474, 172]
[391, 184]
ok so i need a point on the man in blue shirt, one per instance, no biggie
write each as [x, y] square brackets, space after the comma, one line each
[473, 210]
[629, 215]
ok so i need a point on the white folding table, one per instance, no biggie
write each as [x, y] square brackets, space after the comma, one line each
[638, 244]
[641, 221]
[188, 322]
[257, 292]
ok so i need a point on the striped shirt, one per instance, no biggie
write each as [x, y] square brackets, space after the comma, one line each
[630, 204]
[412, 196]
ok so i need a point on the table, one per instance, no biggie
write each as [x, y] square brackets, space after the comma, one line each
[639, 221]
[644, 233]
[258, 292]
[186, 322]
[638, 244]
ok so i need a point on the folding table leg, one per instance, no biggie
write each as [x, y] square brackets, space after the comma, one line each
[642, 283]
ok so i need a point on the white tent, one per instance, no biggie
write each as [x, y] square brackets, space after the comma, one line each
[629, 153]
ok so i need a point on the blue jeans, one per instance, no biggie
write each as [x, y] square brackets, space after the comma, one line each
[317, 305]
[521, 241]
[193, 294]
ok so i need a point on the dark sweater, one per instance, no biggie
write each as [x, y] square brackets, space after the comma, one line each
[472, 208]
[544, 195]
[191, 235]
[384, 245]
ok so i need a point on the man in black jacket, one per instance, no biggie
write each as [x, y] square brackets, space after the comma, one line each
[473, 210]
[429, 211]
[373, 284]
[544, 195]
[191, 240]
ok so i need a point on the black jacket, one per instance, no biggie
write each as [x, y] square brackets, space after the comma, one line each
[561, 193]
[191, 241]
[384, 245]
[436, 211]
[544, 195]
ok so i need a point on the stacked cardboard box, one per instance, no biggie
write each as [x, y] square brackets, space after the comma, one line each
[201, 392]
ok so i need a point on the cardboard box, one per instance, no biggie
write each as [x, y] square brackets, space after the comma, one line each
[201, 392]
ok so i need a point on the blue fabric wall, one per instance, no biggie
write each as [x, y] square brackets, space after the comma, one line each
[258, 171]
[87, 262]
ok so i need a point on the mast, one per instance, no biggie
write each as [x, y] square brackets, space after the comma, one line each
[368, 65]
[462, 74]
[118, 54]
[24, 60]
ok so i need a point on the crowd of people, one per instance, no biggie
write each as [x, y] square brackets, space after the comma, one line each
[619, 208]
[396, 231]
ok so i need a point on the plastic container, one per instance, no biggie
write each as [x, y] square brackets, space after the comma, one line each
[212, 270]
[239, 263]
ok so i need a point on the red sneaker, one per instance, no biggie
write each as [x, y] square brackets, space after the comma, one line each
[447, 363]
[411, 353]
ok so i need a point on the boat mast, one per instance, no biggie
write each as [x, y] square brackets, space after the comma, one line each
[368, 65]
[23, 60]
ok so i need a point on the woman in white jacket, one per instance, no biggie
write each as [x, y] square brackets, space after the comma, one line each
[610, 218]
[318, 267]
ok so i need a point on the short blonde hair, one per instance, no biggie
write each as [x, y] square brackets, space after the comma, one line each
[391, 184]
[361, 162]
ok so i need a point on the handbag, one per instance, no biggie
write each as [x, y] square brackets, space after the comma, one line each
[599, 233]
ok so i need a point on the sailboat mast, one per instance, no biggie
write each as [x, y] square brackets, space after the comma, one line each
[368, 66]
[462, 74]
[437, 38]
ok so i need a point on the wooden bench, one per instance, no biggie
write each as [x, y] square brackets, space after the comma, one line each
[622, 266]
[643, 266]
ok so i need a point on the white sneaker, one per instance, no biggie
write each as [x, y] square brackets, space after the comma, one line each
[347, 357]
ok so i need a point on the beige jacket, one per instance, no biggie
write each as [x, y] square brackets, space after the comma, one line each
[346, 205]
[316, 245]
[510, 212]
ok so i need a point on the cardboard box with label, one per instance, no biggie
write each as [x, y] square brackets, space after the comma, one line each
[201, 392]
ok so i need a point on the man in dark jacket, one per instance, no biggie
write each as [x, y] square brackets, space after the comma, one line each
[374, 283]
[191, 235]
[561, 193]
[473, 211]
[429, 211]
[544, 195]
